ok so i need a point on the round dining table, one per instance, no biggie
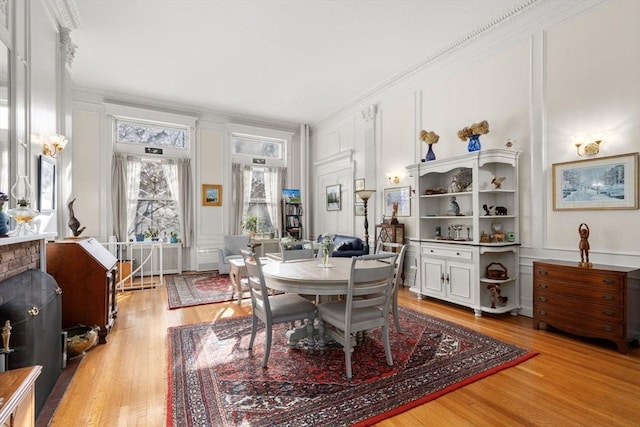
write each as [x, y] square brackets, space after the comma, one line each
[307, 277]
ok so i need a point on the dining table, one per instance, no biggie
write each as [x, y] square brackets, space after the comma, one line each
[310, 277]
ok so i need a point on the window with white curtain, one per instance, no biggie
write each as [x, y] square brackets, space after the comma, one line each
[153, 196]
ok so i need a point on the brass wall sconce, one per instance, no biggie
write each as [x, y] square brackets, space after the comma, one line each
[590, 149]
[53, 145]
[393, 178]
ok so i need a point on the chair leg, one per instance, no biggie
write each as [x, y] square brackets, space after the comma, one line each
[347, 360]
[254, 328]
[310, 332]
[395, 315]
[387, 345]
[321, 341]
[267, 346]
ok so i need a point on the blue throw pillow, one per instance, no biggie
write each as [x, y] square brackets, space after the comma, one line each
[343, 246]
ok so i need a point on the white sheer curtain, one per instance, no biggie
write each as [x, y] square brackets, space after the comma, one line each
[273, 184]
[185, 202]
[237, 197]
[133, 189]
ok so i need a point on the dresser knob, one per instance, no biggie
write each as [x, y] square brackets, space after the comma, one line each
[34, 311]
[542, 272]
[543, 312]
[543, 299]
[608, 281]
[608, 297]
[609, 312]
[608, 328]
[542, 286]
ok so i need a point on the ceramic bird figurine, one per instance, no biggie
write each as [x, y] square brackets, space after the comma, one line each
[497, 181]
[74, 224]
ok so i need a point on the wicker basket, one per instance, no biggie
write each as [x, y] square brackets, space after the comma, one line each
[497, 273]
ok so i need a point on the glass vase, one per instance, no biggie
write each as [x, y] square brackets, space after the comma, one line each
[325, 255]
[474, 143]
[430, 154]
[22, 214]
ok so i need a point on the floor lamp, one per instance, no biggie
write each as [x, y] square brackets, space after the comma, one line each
[365, 195]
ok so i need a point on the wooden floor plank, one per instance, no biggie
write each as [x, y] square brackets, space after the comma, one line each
[572, 382]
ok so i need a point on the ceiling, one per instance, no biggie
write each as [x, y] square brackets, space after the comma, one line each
[298, 61]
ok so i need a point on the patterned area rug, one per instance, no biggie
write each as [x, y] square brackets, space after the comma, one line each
[214, 381]
[197, 289]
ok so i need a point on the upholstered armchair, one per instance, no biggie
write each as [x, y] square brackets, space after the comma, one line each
[231, 250]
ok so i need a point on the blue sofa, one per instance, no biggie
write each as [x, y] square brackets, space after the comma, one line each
[346, 246]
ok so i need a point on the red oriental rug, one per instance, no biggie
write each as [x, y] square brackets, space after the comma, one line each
[215, 381]
[197, 289]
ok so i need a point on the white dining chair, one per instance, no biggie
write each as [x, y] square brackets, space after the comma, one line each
[273, 309]
[365, 307]
[400, 250]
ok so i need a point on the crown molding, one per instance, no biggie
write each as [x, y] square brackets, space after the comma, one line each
[93, 95]
[66, 13]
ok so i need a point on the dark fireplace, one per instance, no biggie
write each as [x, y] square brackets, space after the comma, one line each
[31, 301]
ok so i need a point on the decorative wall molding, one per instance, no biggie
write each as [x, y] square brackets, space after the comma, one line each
[341, 156]
[66, 13]
[369, 113]
[67, 47]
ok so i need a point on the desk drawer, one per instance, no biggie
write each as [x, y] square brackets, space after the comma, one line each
[603, 280]
[594, 294]
[578, 325]
[579, 307]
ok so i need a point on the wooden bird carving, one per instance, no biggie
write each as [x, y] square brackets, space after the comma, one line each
[497, 181]
[74, 224]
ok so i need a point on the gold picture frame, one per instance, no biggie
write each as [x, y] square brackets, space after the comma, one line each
[211, 195]
[596, 184]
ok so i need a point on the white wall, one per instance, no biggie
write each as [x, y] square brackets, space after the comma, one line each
[563, 68]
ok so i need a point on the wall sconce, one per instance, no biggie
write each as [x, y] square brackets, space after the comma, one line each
[53, 145]
[590, 149]
[394, 178]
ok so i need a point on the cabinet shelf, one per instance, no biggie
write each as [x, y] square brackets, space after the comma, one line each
[435, 196]
[460, 217]
[512, 308]
[498, 281]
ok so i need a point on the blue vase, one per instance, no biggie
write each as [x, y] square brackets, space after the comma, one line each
[474, 143]
[430, 154]
[4, 223]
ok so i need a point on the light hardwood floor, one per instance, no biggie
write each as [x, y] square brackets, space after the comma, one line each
[572, 382]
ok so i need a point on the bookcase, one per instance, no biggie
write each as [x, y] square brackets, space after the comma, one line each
[291, 213]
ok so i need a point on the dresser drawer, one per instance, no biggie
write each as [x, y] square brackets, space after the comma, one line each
[578, 325]
[593, 278]
[597, 294]
[579, 308]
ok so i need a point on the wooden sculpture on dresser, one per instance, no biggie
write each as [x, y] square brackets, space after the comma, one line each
[74, 224]
[583, 230]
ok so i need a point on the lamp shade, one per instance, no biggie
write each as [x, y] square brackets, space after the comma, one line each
[365, 194]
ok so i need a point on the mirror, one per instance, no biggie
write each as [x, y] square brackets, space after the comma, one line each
[5, 150]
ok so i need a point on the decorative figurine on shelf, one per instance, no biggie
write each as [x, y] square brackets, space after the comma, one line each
[495, 290]
[6, 334]
[486, 209]
[454, 208]
[497, 181]
[583, 230]
[484, 238]
[454, 187]
[74, 224]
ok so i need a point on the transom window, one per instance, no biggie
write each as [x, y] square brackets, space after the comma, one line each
[256, 146]
[155, 134]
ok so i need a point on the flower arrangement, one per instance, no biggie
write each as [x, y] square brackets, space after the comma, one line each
[152, 233]
[287, 242]
[429, 137]
[327, 241]
[480, 128]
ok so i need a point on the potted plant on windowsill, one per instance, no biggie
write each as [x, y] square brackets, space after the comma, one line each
[152, 233]
[250, 225]
[173, 237]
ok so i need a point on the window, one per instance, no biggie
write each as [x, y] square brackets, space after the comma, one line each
[256, 204]
[156, 134]
[155, 206]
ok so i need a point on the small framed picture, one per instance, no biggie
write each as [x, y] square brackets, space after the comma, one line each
[358, 184]
[211, 195]
[333, 198]
[46, 184]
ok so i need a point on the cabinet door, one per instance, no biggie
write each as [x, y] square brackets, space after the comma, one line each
[460, 275]
[433, 275]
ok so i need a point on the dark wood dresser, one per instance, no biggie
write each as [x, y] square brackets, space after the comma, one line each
[598, 302]
[86, 271]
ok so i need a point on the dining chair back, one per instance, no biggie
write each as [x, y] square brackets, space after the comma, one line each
[366, 305]
[400, 250]
[273, 309]
[300, 249]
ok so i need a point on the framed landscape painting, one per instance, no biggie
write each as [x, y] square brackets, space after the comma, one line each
[333, 198]
[603, 183]
[211, 195]
[399, 195]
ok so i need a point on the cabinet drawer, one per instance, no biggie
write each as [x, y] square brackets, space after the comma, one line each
[567, 275]
[578, 307]
[595, 294]
[578, 325]
[448, 253]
